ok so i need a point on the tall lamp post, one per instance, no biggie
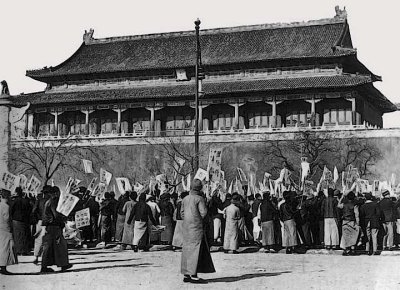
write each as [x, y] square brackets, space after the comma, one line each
[199, 77]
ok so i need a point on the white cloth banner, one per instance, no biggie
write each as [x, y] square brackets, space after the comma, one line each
[123, 184]
[23, 181]
[305, 170]
[87, 166]
[105, 176]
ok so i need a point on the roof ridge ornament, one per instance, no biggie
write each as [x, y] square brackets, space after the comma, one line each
[88, 36]
[340, 14]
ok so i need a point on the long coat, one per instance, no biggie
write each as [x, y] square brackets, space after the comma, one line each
[231, 239]
[196, 257]
[127, 236]
[8, 255]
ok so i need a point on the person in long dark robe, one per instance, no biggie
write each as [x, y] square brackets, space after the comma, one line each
[141, 213]
[20, 212]
[167, 212]
[37, 212]
[106, 216]
[119, 228]
[196, 256]
[55, 251]
[177, 241]
[350, 225]
[267, 213]
[8, 255]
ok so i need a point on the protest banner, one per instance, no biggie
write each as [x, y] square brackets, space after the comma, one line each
[91, 185]
[214, 164]
[201, 174]
[105, 176]
[123, 184]
[241, 174]
[305, 170]
[66, 203]
[82, 218]
[138, 187]
[9, 181]
[87, 166]
[33, 185]
[99, 190]
[23, 180]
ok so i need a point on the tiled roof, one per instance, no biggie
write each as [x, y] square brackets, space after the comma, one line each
[219, 46]
[185, 90]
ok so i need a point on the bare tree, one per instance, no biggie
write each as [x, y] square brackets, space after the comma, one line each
[361, 153]
[47, 158]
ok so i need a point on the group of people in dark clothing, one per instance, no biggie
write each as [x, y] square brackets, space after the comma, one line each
[33, 222]
[295, 222]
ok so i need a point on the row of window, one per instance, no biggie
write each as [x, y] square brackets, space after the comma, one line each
[44, 124]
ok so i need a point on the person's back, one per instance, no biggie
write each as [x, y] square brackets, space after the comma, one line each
[21, 210]
[232, 213]
[329, 207]
[193, 210]
[267, 210]
[387, 207]
[370, 212]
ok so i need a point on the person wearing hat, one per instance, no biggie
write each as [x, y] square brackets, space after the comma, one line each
[55, 251]
[37, 213]
[8, 255]
[196, 256]
[387, 207]
[232, 217]
[370, 213]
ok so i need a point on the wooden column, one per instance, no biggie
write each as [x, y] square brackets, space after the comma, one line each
[274, 103]
[119, 113]
[313, 101]
[87, 113]
[353, 111]
[30, 124]
[236, 117]
[55, 114]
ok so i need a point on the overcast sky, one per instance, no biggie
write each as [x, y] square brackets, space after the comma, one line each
[42, 33]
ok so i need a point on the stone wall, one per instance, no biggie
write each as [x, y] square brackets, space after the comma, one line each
[138, 159]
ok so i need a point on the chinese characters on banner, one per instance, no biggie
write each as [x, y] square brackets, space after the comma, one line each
[82, 218]
[105, 176]
[66, 203]
[33, 185]
[9, 181]
[214, 164]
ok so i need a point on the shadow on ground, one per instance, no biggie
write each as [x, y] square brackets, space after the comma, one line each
[86, 269]
[245, 277]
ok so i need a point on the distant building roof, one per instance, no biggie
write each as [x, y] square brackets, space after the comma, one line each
[314, 39]
[183, 90]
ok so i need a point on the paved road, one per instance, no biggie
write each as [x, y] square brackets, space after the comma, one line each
[110, 269]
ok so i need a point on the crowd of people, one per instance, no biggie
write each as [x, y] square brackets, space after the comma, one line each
[294, 222]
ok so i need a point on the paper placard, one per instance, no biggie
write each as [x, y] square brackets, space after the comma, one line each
[87, 166]
[33, 185]
[201, 174]
[66, 203]
[82, 218]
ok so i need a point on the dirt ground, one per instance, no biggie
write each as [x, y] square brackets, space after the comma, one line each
[112, 269]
